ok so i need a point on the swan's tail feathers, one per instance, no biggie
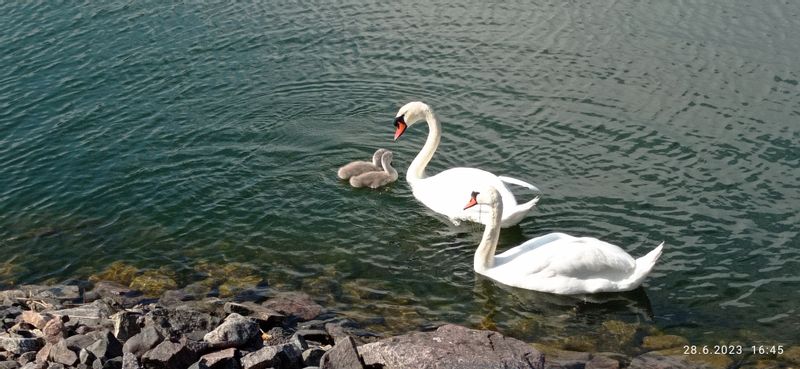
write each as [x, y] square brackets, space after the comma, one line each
[519, 212]
[518, 182]
[644, 265]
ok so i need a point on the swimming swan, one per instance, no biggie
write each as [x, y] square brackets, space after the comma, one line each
[377, 179]
[358, 167]
[442, 192]
[557, 262]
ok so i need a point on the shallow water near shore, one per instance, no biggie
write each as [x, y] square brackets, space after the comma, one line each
[187, 135]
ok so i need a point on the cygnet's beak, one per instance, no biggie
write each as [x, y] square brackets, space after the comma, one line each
[400, 127]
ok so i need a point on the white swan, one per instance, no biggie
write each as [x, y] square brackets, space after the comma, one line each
[557, 262]
[443, 192]
[377, 179]
[359, 167]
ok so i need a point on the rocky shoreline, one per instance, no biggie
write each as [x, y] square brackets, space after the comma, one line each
[109, 325]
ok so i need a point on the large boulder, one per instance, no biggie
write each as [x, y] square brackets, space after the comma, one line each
[342, 356]
[452, 346]
[278, 356]
[235, 331]
[169, 355]
[191, 323]
[94, 314]
[143, 341]
[18, 345]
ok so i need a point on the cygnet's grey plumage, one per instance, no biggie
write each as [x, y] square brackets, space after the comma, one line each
[359, 167]
[377, 179]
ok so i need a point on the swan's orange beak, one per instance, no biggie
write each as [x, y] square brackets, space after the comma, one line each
[400, 127]
[472, 201]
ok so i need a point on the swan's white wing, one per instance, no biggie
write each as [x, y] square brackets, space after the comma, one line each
[559, 255]
[447, 192]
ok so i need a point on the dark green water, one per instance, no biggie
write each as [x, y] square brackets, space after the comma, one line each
[176, 135]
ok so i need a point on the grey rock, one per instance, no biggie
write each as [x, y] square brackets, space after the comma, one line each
[169, 355]
[18, 345]
[278, 356]
[9, 364]
[93, 314]
[342, 356]
[143, 341]
[82, 329]
[34, 365]
[105, 347]
[86, 357]
[52, 365]
[452, 346]
[115, 363]
[126, 324]
[227, 358]
[235, 331]
[315, 335]
[567, 359]
[57, 293]
[129, 361]
[655, 361]
[312, 356]
[182, 322]
[299, 342]
[265, 317]
[608, 360]
[115, 294]
[10, 297]
[27, 357]
[297, 304]
[80, 341]
[61, 353]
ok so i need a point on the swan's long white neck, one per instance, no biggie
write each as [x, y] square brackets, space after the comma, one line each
[484, 255]
[416, 170]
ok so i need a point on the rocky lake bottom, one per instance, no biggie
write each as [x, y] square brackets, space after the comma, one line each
[128, 318]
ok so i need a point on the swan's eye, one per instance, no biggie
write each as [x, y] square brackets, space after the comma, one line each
[398, 120]
[474, 194]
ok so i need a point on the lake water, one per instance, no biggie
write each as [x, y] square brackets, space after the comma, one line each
[186, 135]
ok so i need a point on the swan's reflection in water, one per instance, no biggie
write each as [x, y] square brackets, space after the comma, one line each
[536, 316]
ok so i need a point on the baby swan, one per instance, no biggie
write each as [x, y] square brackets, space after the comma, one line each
[377, 179]
[359, 167]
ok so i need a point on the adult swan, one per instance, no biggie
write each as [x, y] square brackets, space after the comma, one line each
[557, 262]
[444, 192]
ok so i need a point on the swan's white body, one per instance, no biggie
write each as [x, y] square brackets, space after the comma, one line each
[559, 263]
[444, 192]
[359, 167]
[377, 179]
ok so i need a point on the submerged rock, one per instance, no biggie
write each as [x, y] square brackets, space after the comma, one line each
[154, 282]
[663, 342]
[452, 346]
[297, 304]
[117, 271]
[266, 318]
